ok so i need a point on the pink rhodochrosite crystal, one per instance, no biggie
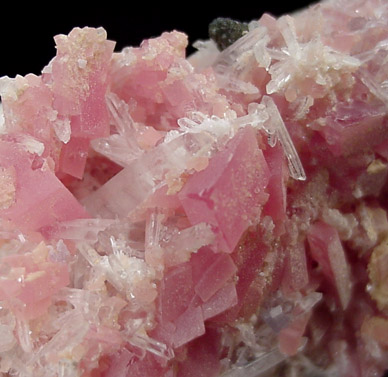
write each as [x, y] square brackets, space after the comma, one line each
[221, 214]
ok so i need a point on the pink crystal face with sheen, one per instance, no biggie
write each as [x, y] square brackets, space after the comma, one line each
[222, 214]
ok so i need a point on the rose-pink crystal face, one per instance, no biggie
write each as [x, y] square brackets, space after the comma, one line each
[40, 197]
[230, 192]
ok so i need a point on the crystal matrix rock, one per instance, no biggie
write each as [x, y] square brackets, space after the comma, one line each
[222, 214]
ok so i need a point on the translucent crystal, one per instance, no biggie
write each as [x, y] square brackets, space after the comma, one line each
[117, 197]
[121, 147]
[276, 125]
[62, 128]
[73, 331]
[152, 346]
[258, 367]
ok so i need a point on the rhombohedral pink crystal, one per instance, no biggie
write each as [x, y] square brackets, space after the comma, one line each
[221, 214]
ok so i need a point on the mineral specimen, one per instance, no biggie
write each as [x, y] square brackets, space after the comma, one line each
[224, 214]
[225, 31]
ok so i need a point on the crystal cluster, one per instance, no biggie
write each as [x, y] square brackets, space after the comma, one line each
[222, 214]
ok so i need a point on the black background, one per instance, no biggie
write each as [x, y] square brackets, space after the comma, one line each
[27, 31]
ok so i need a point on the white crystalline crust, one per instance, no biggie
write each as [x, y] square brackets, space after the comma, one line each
[266, 117]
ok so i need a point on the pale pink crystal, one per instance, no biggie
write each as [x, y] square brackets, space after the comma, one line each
[234, 182]
[326, 249]
[40, 197]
